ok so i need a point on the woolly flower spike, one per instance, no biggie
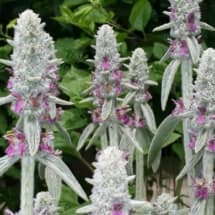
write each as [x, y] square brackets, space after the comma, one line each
[110, 185]
[138, 82]
[107, 76]
[33, 84]
[44, 204]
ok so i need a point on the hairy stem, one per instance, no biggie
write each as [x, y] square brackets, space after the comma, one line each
[187, 79]
[27, 185]
[208, 172]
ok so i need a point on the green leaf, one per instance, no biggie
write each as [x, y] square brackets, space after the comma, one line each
[73, 3]
[159, 50]
[162, 135]
[140, 14]
[74, 82]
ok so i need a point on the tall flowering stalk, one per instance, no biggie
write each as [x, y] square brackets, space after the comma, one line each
[109, 120]
[33, 90]
[185, 31]
[201, 114]
[137, 83]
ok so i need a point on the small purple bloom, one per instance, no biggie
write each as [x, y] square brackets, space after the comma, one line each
[118, 89]
[201, 116]
[201, 192]
[117, 74]
[184, 49]
[191, 22]
[96, 115]
[211, 145]
[147, 96]
[46, 148]
[117, 209]
[18, 149]
[179, 109]
[192, 140]
[105, 63]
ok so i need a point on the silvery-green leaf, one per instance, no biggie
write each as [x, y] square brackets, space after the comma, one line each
[99, 131]
[59, 167]
[106, 109]
[6, 162]
[85, 134]
[20, 123]
[87, 91]
[131, 178]
[149, 117]
[190, 165]
[41, 171]
[206, 26]
[54, 184]
[167, 81]
[130, 86]
[151, 83]
[32, 133]
[162, 134]
[187, 80]
[128, 98]
[156, 162]
[137, 204]
[64, 132]
[6, 99]
[201, 141]
[89, 180]
[89, 99]
[163, 27]
[165, 56]
[198, 207]
[193, 49]
[131, 138]
[86, 209]
[6, 62]
[53, 110]
[59, 101]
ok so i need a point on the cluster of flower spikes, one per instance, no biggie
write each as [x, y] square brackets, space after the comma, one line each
[107, 78]
[110, 185]
[43, 205]
[184, 22]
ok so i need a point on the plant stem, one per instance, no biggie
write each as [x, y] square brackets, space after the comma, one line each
[208, 172]
[187, 80]
[27, 185]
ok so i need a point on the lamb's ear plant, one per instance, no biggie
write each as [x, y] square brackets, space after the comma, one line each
[137, 83]
[109, 120]
[33, 95]
[201, 135]
[185, 49]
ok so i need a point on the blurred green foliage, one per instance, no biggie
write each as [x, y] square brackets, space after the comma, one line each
[73, 24]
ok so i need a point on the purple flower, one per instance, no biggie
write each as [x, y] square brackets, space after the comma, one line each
[211, 145]
[191, 22]
[201, 192]
[46, 148]
[117, 209]
[96, 115]
[17, 144]
[178, 48]
[121, 114]
[147, 96]
[105, 64]
[179, 109]
[201, 117]
[192, 140]
[117, 75]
